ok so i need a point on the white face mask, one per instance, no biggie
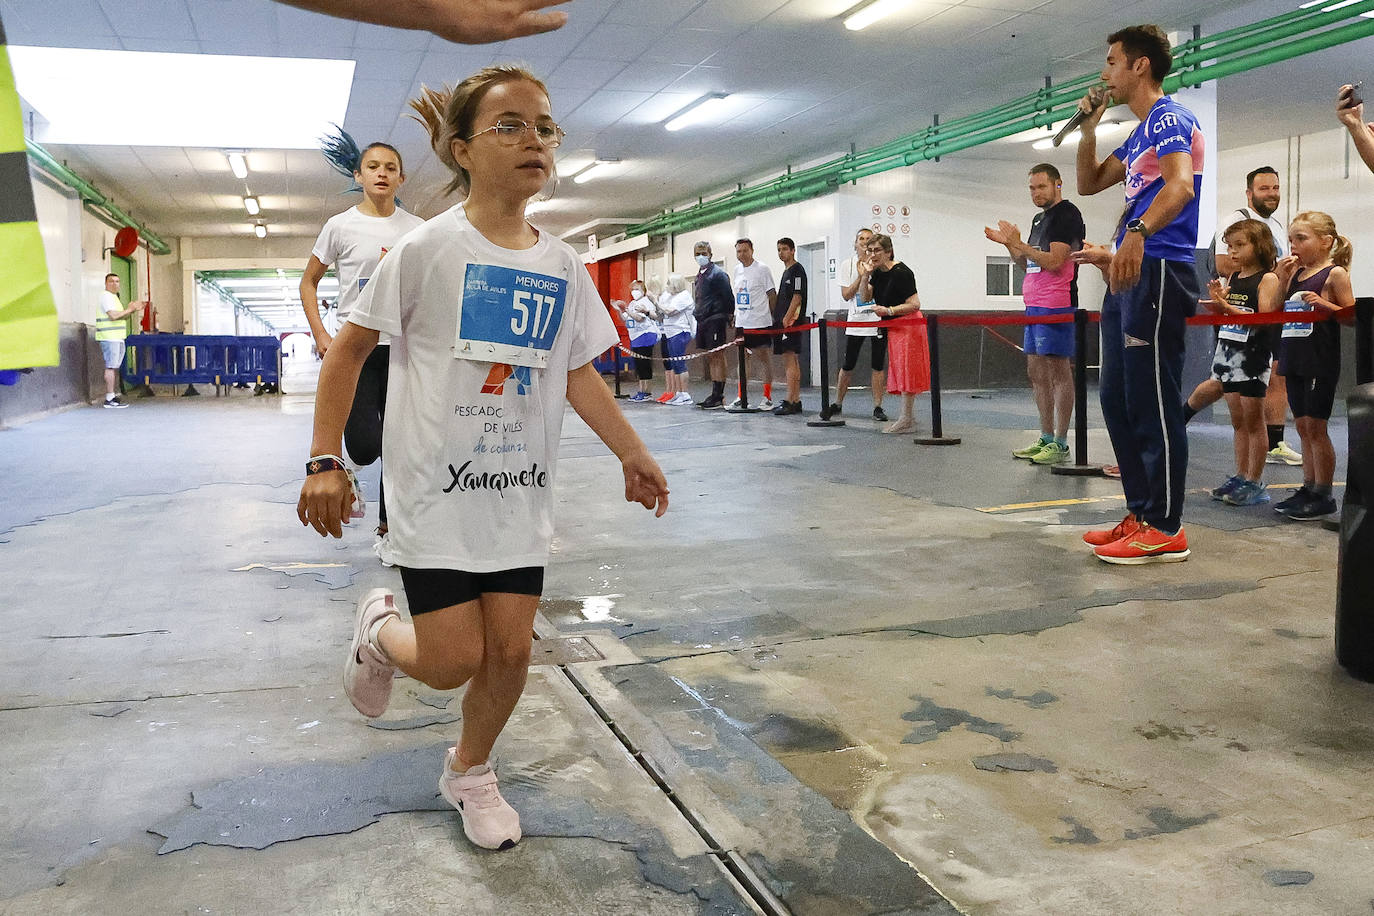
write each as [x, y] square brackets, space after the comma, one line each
[636, 294]
[703, 260]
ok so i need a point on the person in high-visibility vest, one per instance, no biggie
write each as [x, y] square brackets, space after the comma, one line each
[110, 330]
[28, 315]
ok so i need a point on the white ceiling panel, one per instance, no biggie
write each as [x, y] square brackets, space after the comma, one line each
[804, 87]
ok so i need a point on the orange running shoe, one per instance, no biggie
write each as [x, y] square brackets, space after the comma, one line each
[1146, 545]
[1101, 538]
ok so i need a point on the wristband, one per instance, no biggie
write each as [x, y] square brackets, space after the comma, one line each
[321, 463]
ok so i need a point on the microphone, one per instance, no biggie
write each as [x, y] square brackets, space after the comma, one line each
[1097, 94]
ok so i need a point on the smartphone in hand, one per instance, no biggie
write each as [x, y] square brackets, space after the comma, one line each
[1349, 98]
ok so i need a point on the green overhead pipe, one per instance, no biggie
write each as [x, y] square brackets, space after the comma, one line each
[1250, 47]
[91, 195]
[1276, 54]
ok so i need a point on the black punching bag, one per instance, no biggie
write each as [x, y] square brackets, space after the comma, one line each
[1355, 569]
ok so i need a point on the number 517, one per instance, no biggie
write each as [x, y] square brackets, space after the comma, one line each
[543, 312]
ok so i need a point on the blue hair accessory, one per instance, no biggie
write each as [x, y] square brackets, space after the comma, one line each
[342, 153]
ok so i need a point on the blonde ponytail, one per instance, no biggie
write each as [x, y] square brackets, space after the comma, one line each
[1342, 251]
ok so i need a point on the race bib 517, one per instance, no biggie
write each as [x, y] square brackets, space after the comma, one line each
[509, 316]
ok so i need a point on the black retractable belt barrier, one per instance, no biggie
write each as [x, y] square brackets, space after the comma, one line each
[1080, 466]
[743, 385]
[1364, 340]
[937, 432]
[1354, 571]
[825, 381]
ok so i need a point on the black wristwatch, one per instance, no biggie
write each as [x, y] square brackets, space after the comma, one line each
[1138, 225]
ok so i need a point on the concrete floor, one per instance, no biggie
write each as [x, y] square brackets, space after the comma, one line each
[888, 677]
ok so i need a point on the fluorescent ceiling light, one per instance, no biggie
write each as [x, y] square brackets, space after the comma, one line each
[238, 165]
[866, 15]
[254, 208]
[703, 109]
[201, 100]
[598, 169]
[1333, 6]
[260, 231]
[1106, 127]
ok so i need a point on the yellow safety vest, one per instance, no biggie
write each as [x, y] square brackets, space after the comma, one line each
[28, 315]
[111, 329]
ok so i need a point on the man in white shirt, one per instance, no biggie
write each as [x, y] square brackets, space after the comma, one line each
[110, 332]
[755, 296]
[1261, 201]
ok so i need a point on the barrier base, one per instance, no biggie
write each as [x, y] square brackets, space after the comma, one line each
[145, 391]
[743, 409]
[825, 423]
[1077, 470]
[190, 392]
[937, 440]
[1333, 524]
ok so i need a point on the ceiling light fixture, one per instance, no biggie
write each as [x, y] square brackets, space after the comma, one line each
[252, 206]
[869, 13]
[238, 164]
[700, 110]
[260, 231]
[596, 169]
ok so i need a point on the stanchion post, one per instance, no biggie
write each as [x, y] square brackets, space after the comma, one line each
[743, 384]
[1080, 466]
[937, 431]
[615, 371]
[825, 380]
[1364, 340]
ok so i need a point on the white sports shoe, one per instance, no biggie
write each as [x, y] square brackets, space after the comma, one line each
[682, 397]
[767, 404]
[488, 820]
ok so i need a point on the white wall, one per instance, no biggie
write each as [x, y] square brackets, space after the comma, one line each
[1319, 171]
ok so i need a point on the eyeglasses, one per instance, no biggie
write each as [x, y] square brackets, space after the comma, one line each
[509, 132]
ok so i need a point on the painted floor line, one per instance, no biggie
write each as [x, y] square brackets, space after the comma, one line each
[1052, 503]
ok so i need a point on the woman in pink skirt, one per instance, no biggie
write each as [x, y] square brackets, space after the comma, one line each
[892, 285]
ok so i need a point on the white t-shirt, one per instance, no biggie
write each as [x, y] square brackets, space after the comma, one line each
[858, 310]
[640, 323]
[108, 302]
[752, 284]
[677, 313]
[354, 244]
[1276, 229]
[470, 447]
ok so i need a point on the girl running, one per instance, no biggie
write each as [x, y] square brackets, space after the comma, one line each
[494, 325]
[1317, 277]
[1241, 361]
[354, 242]
[679, 327]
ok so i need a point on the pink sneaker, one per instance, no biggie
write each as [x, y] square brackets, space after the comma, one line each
[367, 673]
[488, 820]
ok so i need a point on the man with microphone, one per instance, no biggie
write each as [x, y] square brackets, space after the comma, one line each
[1152, 290]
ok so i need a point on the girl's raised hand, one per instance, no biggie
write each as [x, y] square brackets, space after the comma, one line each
[1286, 267]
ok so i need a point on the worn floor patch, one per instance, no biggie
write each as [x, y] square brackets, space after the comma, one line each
[333, 575]
[1164, 820]
[322, 799]
[1016, 763]
[1079, 834]
[1038, 700]
[1288, 877]
[934, 720]
[1065, 611]
[400, 725]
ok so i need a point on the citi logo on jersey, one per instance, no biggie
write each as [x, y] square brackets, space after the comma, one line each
[1167, 119]
[501, 372]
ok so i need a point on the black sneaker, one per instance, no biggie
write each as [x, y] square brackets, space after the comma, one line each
[880, 415]
[787, 408]
[1298, 498]
[1313, 507]
[115, 403]
[714, 402]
